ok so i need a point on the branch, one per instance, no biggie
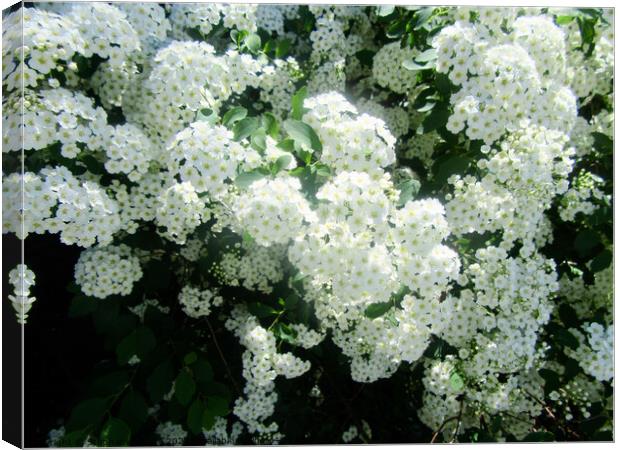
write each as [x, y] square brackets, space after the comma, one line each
[219, 350]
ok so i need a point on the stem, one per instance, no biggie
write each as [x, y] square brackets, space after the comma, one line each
[219, 350]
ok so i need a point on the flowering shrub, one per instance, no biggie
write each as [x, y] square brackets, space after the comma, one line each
[309, 224]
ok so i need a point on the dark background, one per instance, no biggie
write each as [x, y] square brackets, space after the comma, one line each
[59, 352]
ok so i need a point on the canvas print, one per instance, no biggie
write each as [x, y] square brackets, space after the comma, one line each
[238, 224]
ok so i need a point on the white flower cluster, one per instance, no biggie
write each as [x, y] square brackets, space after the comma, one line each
[37, 46]
[277, 84]
[187, 76]
[261, 365]
[388, 70]
[104, 28]
[180, 211]
[586, 299]
[104, 271]
[578, 199]
[193, 249]
[505, 79]
[595, 353]
[517, 292]
[54, 116]
[519, 183]
[329, 77]
[55, 435]
[351, 142]
[591, 75]
[516, 400]
[578, 394]
[306, 337]
[148, 21]
[396, 118]
[129, 151]
[350, 434]
[140, 202]
[112, 83]
[218, 434]
[140, 309]
[270, 18]
[423, 263]
[185, 17]
[206, 156]
[171, 434]
[361, 251]
[253, 266]
[197, 302]
[22, 279]
[57, 202]
[273, 211]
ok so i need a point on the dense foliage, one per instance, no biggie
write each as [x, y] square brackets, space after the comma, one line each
[321, 224]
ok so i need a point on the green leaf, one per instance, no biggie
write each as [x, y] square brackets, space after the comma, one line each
[601, 261]
[140, 342]
[234, 115]
[206, 115]
[422, 16]
[73, 439]
[443, 84]
[539, 436]
[184, 387]
[237, 36]
[282, 48]
[202, 370]
[375, 310]
[563, 337]
[115, 433]
[297, 103]
[291, 301]
[436, 119]
[303, 134]
[190, 358]
[109, 384]
[261, 310]
[552, 380]
[288, 145]
[92, 164]
[247, 238]
[408, 189]
[270, 124]
[456, 382]
[82, 306]
[217, 405]
[386, 10]
[133, 410]
[585, 241]
[245, 127]
[157, 276]
[208, 420]
[245, 179]
[426, 56]
[258, 140]
[603, 143]
[593, 424]
[396, 28]
[87, 413]
[194, 416]
[160, 381]
[323, 171]
[455, 164]
[253, 42]
[282, 162]
[410, 64]
[563, 20]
